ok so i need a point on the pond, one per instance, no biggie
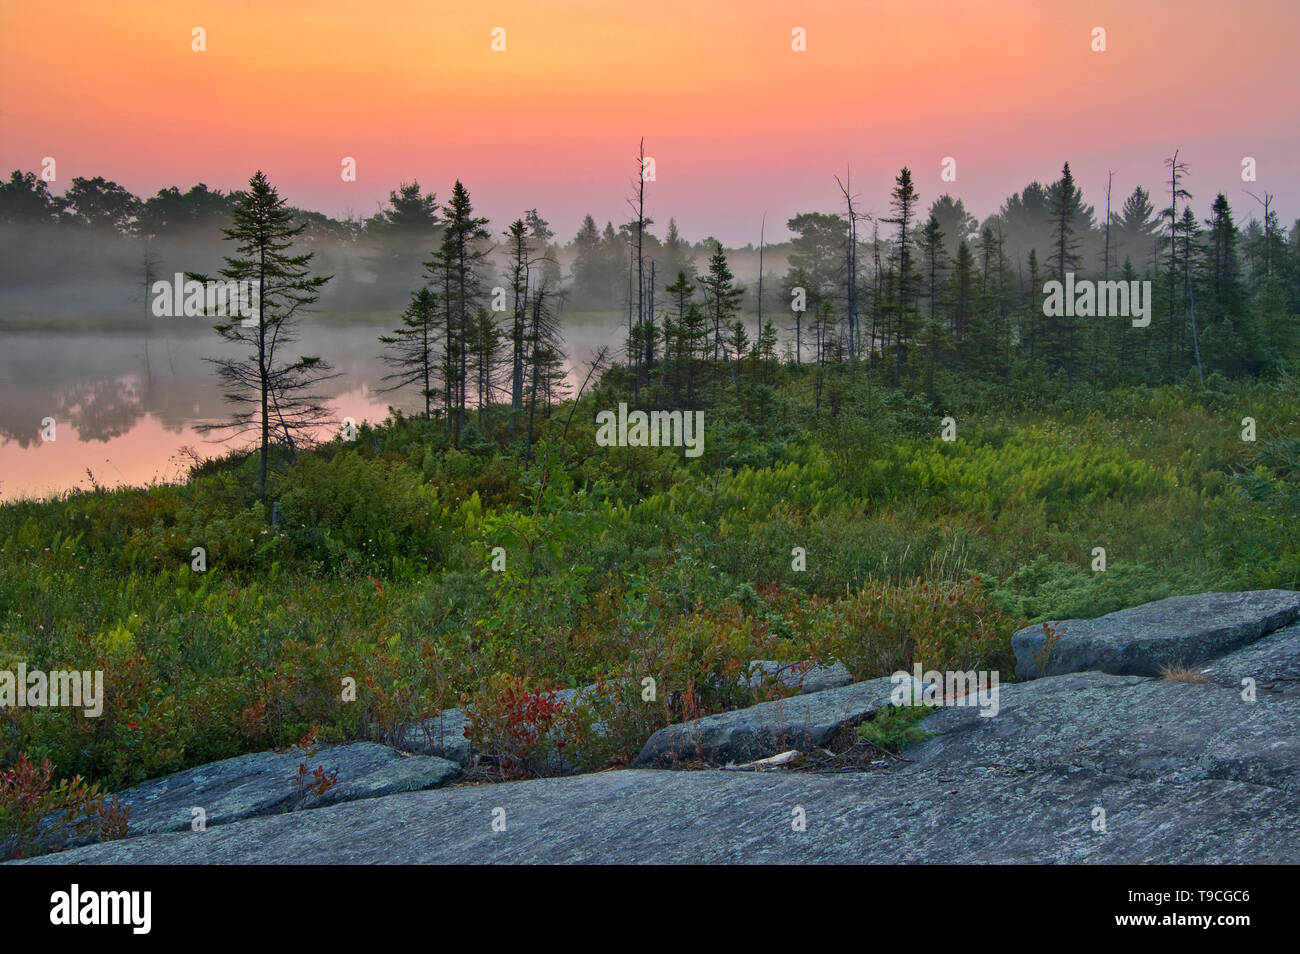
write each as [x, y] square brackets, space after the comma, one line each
[127, 394]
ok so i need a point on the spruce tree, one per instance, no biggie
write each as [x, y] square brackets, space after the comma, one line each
[692, 345]
[412, 348]
[274, 392]
[1137, 228]
[722, 297]
[590, 284]
[519, 278]
[457, 263]
[934, 260]
[1232, 335]
[545, 358]
[904, 201]
[1066, 201]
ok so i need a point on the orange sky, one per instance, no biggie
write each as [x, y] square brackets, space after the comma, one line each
[736, 120]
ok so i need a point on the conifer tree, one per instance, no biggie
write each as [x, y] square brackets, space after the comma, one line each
[590, 281]
[722, 297]
[1137, 228]
[736, 347]
[904, 201]
[545, 358]
[693, 345]
[816, 255]
[1177, 170]
[484, 347]
[1030, 330]
[457, 263]
[520, 262]
[1066, 201]
[1190, 231]
[688, 332]
[275, 392]
[934, 260]
[1232, 334]
[676, 255]
[412, 348]
[765, 348]
[401, 233]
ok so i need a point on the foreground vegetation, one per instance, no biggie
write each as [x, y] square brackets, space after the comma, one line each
[621, 563]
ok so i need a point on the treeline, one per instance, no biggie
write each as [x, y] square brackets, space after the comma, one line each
[942, 291]
[925, 298]
[466, 339]
[104, 231]
[916, 294]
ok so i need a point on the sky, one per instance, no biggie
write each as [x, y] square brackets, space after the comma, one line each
[740, 125]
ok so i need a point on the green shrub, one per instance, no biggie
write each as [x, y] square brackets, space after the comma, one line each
[881, 629]
[894, 728]
[1044, 590]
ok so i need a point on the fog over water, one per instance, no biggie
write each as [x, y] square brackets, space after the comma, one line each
[126, 389]
[126, 392]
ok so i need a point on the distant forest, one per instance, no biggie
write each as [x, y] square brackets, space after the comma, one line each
[912, 292]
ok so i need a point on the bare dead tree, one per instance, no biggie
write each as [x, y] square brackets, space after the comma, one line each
[1265, 202]
[851, 279]
[1176, 172]
[1105, 257]
[599, 361]
[762, 229]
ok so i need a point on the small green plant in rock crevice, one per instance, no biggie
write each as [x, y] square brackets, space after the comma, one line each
[893, 728]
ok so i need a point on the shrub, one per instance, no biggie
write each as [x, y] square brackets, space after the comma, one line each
[893, 728]
[350, 511]
[37, 816]
[881, 629]
[525, 732]
[1045, 590]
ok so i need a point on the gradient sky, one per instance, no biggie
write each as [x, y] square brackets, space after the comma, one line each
[738, 123]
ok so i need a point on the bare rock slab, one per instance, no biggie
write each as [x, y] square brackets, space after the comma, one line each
[442, 736]
[1200, 771]
[744, 735]
[812, 679]
[1151, 730]
[1178, 631]
[991, 815]
[266, 783]
[1272, 664]
[1186, 772]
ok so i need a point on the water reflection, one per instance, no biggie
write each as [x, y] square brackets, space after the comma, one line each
[126, 396]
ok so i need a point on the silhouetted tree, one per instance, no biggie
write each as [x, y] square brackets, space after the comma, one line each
[283, 407]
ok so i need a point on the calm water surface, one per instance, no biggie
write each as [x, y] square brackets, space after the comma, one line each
[126, 396]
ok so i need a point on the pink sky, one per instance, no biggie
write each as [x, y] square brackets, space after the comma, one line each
[737, 121]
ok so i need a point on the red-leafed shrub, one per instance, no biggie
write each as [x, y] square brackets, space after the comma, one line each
[36, 817]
